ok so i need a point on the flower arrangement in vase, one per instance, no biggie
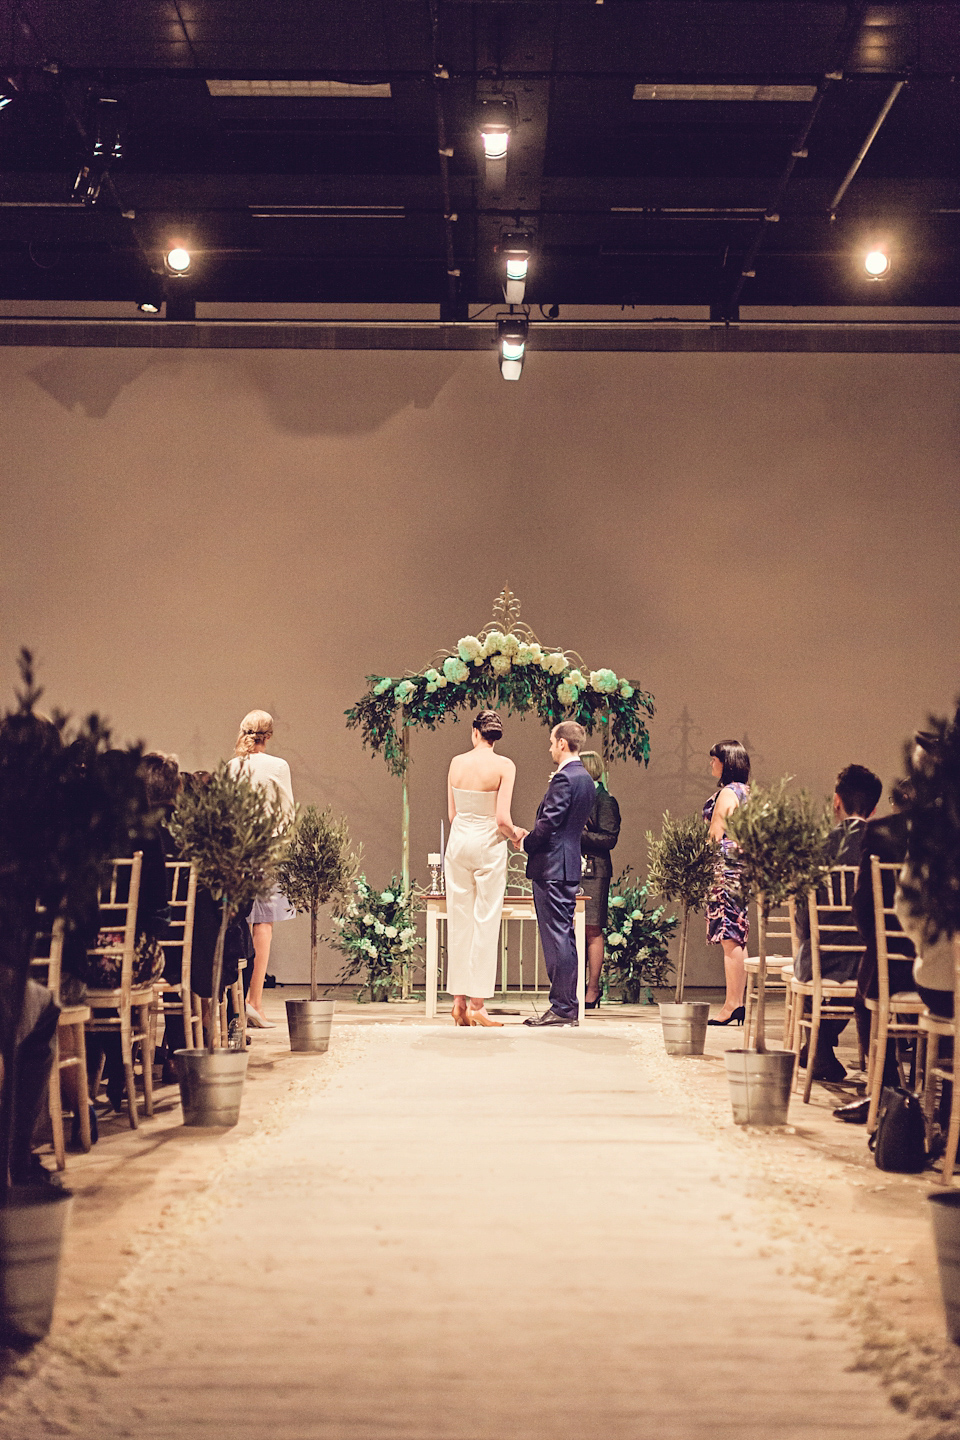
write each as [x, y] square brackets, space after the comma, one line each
[636, 936]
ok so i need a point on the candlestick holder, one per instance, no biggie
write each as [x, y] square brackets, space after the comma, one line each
[436, 875]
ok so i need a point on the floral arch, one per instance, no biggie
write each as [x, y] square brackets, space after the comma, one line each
[504, 666]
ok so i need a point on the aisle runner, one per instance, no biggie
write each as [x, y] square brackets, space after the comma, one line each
[467, 1233]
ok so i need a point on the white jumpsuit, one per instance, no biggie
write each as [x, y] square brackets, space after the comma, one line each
[475, 871]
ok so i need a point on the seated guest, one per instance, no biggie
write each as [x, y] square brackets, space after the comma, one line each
[855, 798]
[887, 839]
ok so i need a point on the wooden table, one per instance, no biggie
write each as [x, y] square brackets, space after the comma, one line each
[515, 907]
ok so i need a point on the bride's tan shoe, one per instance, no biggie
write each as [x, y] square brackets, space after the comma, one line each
[480, 1017]
[459, 1013]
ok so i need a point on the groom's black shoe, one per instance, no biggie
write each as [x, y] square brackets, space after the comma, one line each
[550, 1017]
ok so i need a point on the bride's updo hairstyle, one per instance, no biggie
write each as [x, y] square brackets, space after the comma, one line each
[255, 730]
[490, 726]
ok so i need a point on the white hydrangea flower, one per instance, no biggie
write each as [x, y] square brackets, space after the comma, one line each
[576, 677]
[500, 664]
[387, 896]
[556, 662]
[524, 655]
[509, 645]
[390, 931]
[603, 681]
[369, 919]
[494, 642]
[536, 653]
[469, 648]
[404, 692]
[455, 670]
[567, 694]
[626, 689]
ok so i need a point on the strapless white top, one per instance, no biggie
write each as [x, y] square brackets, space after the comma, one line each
[475, 804]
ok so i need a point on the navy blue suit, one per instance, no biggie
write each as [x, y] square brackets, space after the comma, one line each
[553, 864]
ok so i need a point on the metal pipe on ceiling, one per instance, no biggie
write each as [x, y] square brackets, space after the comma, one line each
[862, 152]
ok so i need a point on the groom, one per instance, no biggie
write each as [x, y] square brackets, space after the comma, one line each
[554, 866]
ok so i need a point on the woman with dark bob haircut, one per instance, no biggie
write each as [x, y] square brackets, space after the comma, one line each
[727, 922]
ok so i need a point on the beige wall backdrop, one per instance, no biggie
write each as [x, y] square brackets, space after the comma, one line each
[766, 542]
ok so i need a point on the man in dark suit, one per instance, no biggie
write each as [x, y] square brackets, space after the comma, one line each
[553, 848]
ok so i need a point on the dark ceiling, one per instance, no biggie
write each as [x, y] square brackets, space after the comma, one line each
[631, 201]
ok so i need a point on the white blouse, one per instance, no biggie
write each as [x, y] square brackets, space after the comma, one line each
[267, 772]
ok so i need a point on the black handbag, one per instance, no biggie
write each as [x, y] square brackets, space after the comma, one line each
[899, 1141]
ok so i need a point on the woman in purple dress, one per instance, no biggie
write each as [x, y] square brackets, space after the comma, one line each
[727, 923]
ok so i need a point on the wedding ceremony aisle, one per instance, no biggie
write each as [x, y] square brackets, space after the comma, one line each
[439, 1232]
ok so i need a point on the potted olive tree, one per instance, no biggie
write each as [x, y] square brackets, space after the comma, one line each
[781, 843]
[318, 867]
[682, 867]
[931, 891]
[234, 836]
[68, 805]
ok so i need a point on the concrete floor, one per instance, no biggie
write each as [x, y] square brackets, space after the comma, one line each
[443, 1233]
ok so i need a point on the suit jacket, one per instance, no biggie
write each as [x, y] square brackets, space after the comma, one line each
[843, 843]
[553, 845]
[887, 839]
[600, 834]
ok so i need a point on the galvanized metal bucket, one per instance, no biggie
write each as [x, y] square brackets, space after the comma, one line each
[760, 1085]
[945, 1212]
[309, 1023]
[211, 1085]
[684, 1026]
[31, 1237]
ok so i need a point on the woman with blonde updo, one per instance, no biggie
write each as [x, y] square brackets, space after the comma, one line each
[271, 774]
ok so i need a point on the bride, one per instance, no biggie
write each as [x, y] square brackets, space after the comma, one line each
[479, 792]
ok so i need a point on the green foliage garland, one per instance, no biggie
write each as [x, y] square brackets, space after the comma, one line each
[377, 933]
[502, 671]
[636, 936]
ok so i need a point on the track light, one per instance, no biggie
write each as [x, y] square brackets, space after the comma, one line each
[512, 342]
[877, 264]
[177, 260]
[496, 123]
[105, 147]
[515, 249]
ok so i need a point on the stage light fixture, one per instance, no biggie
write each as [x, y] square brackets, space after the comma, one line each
[496, 124]
[5, 100]
[177, 260]
[877, 264]
[105, 148]
[512, 342]
[148, 307]
[515, 249]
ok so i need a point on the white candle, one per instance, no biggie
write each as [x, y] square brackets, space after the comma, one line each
[433, 859]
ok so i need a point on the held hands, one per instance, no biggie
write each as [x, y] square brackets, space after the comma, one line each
[518, 837]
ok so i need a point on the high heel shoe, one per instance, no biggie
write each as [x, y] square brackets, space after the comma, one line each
[480, 1017]
[592, 1004]
[459, 1013]
[734, 1018]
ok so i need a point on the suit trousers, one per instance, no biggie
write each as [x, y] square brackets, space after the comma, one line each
[556, 903]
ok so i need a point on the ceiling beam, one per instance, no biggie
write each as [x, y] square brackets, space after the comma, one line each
[583, 337]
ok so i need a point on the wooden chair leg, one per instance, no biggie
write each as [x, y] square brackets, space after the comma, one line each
[186, 1007]
[748, 1010]
[147, 1047]
[126, 1050]
[811, 1050]
[83, 1094]
[878, 1047]
[930, 1080]
[55, 1100]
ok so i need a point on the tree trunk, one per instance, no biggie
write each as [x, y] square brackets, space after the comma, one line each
[682, 963]
[217, 974]
[314, 995]
[762, 976]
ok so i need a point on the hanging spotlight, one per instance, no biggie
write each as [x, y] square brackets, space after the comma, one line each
[148, 307]
[106, 147]
[496, 123]
[5, 100]
[877, 264]
[177, 260]
[515, 248]
[512, 342]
